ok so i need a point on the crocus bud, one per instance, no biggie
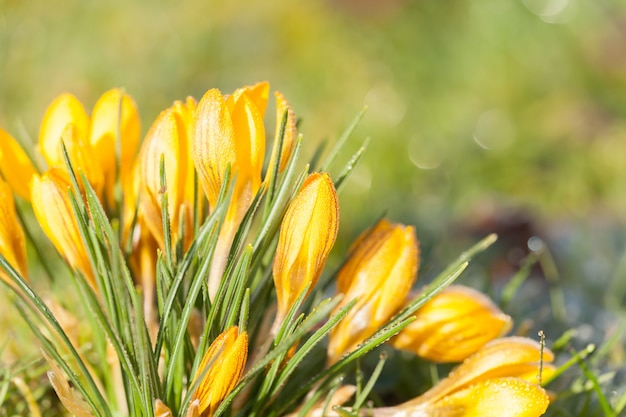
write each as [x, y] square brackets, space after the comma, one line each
[12, 242]
[453, 325]
[307, 234]
[53, 210]
[221, 368]
[230, 131]
[379, 273]
[15, 166]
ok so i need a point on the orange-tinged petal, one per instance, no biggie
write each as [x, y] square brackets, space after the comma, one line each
[15, 166]
[307, 235]
[453, 325]
[53, 210]
[115, 119]
[12, 241]
[213, 147]
[249, 142]
[186, 117]
[66, 109]
[221, 368]
[379, 273]
[161, 410]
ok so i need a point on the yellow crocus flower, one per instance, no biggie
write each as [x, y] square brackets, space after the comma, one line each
[168, 138]
[15, 166]
[501, 379]
[221, 368]
[379, 273]
[53, 210]
[230, 131]
[91, 142]
[307, 234]
[453, 325]
[12, 241]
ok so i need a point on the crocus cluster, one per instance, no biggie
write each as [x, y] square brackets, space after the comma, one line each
[206, 160]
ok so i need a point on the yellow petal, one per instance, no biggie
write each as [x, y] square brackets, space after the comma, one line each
[16, 168]
[115, 119]
[221, 367]
[506, 357]
[82, 159]
[51, 204]
[213, 147]
[249, 142]
[12, 241]
[258, 93]
[162, 141]
[502, 397]
[453, 325]
[63, 111]
[307, 234]
[379, 273]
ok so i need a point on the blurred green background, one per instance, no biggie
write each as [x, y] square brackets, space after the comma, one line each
[487, 115]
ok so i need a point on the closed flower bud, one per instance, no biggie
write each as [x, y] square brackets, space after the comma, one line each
[53, 210]
[12, 242]
[453, 325]
[221, 368]
[379, 273]
[15, 166]
[307, 235]
[230, 130]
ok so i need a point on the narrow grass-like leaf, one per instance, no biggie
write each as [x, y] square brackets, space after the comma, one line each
[604, 403]
[342, 140]
[165, 216]
[273, 170]
[310, 343]
[244, 311]
[362, 394]
[349, 168]
[36, 305]
[517, 280]
[310, 321]
[237, 289]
